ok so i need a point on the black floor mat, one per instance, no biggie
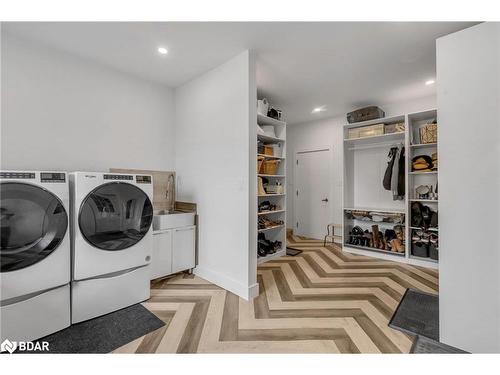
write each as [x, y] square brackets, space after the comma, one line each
[105, 333]
[417, 314]
[290, 251]
[423, 345]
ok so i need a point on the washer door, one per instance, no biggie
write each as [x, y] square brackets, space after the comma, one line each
[115, 216]
[33, 223]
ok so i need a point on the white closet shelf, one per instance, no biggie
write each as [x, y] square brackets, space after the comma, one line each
[271, 175]
[424, 200]
[270, 212]
[271, 157]
[374, 249]
[271, 195]
[269, 257]
[385, 120]
[388, 210]
[375, 140]
[427, 230]
[425, 259]
[271, 228]
[422, 145]
[416, 172]
[269, 139]
[266, 120]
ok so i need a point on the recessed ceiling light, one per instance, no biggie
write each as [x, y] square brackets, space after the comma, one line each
[162, 50]
[429, 82]
[319, 109]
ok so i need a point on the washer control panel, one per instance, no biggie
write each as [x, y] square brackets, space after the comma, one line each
[52, 177]
[125, 177]
[21, 175]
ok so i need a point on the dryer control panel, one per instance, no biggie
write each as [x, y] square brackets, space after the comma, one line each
[52, 177]
[23, 175]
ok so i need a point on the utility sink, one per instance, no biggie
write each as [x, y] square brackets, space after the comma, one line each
[175, 219]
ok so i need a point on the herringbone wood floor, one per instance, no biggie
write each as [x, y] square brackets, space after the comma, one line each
[322, 300]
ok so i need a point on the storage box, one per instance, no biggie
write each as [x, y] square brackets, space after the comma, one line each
[433, 252]
[420, 249]
[366, 131]
[428, 133]
[267, 150]
[394, 128]
[260, 160]
[270, 166]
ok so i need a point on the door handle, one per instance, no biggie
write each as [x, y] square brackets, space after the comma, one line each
[324, 200]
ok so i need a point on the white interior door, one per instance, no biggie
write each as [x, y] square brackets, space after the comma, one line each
[313, 189]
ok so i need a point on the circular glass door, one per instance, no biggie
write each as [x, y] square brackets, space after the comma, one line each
[33, 223]
[115, 216]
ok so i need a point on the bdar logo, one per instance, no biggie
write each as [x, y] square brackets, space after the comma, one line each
[9, 346]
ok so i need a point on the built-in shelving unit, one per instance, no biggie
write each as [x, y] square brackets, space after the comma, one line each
[277, 232]
[365, 162]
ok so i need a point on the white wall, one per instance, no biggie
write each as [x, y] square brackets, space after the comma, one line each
[213, 113]
[468, 77]
[64, 113]
[328, 132]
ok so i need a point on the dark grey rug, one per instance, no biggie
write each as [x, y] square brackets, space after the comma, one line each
[423, 345]
[417, 314]
[105, 333]
[290, 251]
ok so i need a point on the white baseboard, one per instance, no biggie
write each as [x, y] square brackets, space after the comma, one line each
[244, 291]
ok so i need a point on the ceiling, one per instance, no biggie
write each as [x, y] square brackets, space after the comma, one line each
[300, 65]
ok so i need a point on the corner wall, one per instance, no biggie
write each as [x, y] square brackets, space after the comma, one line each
[468, 77]
[213, 117]
[62, 112]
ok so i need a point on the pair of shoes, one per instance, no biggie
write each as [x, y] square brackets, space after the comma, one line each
[267, 206]
[264, 223]
[266, 247]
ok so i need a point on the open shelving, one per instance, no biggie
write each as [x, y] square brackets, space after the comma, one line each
[365, 161]
[278, 232]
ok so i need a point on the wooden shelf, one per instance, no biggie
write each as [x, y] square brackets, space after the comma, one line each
[266, 120]
[374, 249]
[268, 139]
[270, 212]
[271, 228]
[267, 258]
[271, 157]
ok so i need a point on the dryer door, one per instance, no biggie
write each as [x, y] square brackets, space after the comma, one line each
[115, 216]
[33, 223]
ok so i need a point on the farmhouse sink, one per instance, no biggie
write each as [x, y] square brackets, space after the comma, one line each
[166, 220]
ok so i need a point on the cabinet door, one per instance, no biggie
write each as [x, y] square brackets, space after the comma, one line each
[161, 262]
[183, 253]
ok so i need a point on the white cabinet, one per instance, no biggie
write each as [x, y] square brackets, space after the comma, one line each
[161, 262]
[173, 251]
[183, 254]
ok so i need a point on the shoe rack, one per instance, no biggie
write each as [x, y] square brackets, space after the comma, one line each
[375, 210]
[277, 200]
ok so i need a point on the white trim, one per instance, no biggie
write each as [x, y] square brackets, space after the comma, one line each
[229, 284]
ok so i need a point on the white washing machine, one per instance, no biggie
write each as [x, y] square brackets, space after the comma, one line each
[112, 241]
[35, 254]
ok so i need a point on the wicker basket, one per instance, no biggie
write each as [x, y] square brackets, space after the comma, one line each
[428, 133]
[260, 160]
[270, 166]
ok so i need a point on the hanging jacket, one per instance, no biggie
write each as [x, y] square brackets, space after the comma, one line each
[391, 157]
[401, 174]
[395, 175]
